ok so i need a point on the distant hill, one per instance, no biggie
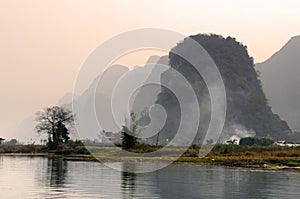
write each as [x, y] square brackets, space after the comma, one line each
[248, 111]
[99, 90]
[280, 76]
[66, 100]
[25, 130]
[247, 107]
[104, 88]
[147, 95]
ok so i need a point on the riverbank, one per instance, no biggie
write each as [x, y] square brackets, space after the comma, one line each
[270, 157]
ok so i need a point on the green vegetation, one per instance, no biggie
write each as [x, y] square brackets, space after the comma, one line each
[247, 156]
[223, 155]
[71, 147]
[129, 132]
[250, 141]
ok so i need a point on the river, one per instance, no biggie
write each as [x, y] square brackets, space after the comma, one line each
[39, 177]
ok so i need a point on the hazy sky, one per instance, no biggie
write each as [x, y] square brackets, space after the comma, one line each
[44, 42]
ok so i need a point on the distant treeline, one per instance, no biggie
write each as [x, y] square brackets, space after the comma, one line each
[12, 142]
[251, 141]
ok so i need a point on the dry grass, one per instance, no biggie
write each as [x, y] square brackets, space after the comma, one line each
[227, 155]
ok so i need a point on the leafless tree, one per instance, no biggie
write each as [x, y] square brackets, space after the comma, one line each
[54, 122]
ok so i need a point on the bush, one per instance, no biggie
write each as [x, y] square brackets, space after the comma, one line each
[82, 151]
[250, 141]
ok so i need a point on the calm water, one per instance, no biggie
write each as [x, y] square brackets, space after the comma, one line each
[25, 177]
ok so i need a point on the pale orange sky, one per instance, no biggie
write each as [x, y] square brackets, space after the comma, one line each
[44, 42]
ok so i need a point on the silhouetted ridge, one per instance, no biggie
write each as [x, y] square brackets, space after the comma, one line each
[246, 101]
[280, 77]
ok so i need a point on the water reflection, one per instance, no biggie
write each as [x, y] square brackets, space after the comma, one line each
[128, 180]
[1, 161]
[128, 184]
[23, 177]
[57, 170]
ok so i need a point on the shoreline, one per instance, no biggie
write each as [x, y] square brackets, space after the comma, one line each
[248, 163]
[256, 157]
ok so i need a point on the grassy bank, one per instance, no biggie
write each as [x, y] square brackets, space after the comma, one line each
[226, 155]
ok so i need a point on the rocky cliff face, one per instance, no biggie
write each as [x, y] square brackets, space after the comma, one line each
[280, 78]
[247, 106]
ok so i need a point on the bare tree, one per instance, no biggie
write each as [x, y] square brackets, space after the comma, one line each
[54, 122]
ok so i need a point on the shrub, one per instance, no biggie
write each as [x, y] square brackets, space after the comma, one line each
[250, 141]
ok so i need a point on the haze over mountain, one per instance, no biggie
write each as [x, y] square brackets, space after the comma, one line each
[25, 131]
[248, 111]
[100, 90]
[280, 76]
[116, 78]
[246, 102]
